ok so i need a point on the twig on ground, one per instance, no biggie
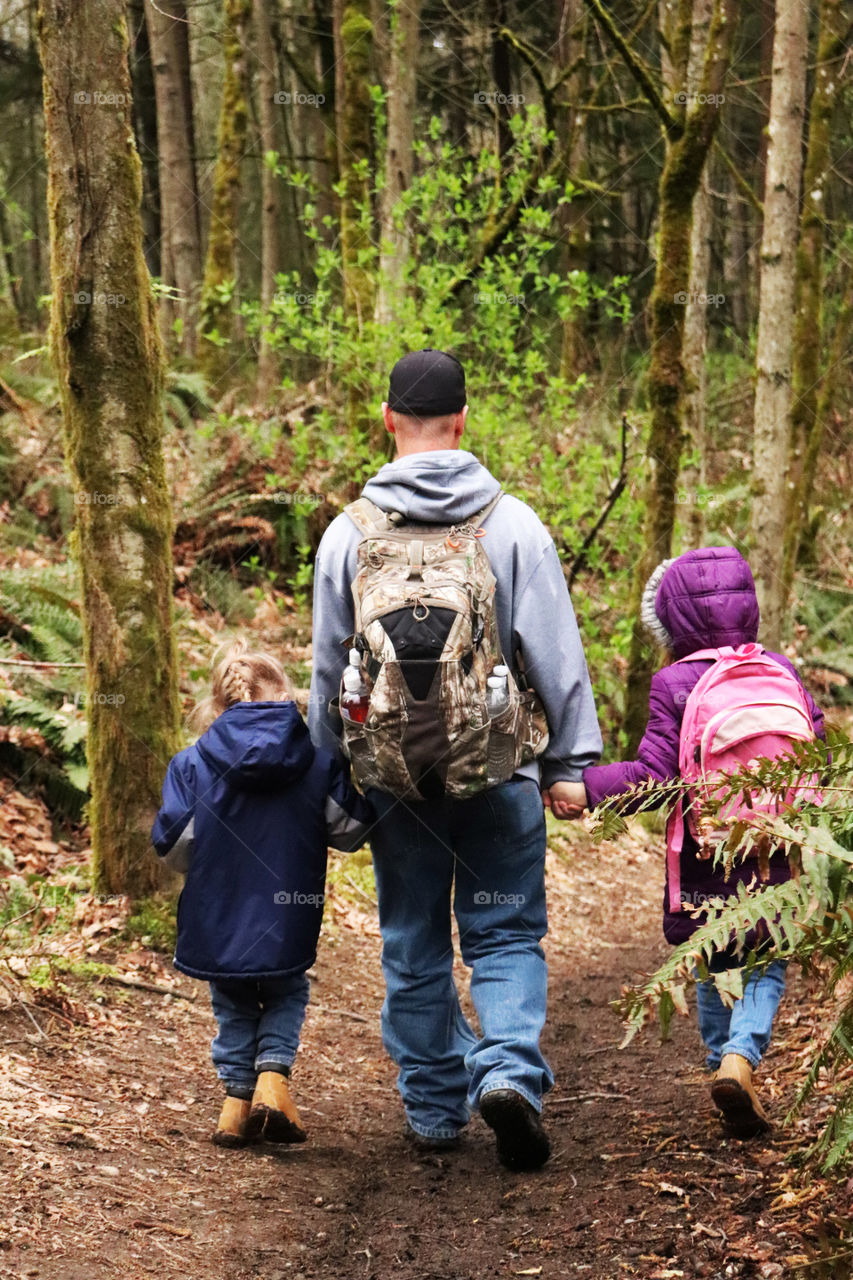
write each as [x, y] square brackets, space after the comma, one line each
[338, 1013]
[125, 980]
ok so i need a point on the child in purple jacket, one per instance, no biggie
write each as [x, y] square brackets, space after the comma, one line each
[705, 599]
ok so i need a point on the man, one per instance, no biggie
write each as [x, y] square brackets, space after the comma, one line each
[486, 854]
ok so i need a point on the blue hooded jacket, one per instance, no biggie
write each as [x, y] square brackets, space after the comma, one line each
[248, 813]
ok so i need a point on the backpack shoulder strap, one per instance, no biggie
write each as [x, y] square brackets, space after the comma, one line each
[368, 518]
[482, 516]
[702, 655]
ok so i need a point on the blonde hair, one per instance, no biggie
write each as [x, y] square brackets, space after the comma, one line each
[238, 676]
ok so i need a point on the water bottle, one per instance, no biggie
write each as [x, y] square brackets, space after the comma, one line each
[497, 693]
[355, 698]
[501, 745]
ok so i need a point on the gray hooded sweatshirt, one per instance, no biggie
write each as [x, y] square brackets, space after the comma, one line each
[534, 612]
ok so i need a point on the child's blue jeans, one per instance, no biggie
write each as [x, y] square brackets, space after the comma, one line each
[259, 1026]
[745, 1028]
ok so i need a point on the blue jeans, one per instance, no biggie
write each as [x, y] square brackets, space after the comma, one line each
[745, 1028]
[259, 1025]
[493, 846]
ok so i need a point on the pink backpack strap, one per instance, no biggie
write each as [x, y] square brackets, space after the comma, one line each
[674, 845]
[743, 651]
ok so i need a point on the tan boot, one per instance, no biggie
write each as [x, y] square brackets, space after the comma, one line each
[233, 1127]
[274, 1116]
[733, 1093]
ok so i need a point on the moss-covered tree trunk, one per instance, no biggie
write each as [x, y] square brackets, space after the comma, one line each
[168, 30]
[696, 308]
[399, 153]
[354, 112]
[108, 359]
[688, 144]
[772, 427]
[266, 85]
[354, 43]
[218, 301]
[807, 423]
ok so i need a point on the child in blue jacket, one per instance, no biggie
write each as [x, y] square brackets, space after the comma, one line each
[248, 812]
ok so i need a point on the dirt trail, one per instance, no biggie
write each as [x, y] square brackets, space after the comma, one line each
[108, 1171]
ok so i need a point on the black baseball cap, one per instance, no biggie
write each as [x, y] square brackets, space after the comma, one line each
[427, 384]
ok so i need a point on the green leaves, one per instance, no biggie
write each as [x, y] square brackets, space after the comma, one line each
[809, 919]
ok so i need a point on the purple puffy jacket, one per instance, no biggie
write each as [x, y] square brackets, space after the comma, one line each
[706, 599]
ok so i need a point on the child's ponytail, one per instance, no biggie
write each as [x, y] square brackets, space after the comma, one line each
[237, 677]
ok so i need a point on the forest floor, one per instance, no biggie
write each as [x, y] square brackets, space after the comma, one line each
[106, 1112]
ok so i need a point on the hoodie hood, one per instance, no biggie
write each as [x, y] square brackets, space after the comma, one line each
[443, 486]
[704, 599]
[258, 746]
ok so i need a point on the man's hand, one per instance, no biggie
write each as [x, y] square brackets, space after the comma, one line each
[565, 799]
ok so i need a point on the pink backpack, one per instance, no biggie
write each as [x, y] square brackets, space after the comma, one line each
[743, 707]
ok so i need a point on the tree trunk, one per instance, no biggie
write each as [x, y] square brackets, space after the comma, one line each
[573, 220]
[806, 423]
[354, 42]
[399, 154]
[772, 430]
[145, 131]
[266, 79]
[108, 360]
[501, 76]
[687, 151]
[179, 204]
[353, 47]
[218, 302]
[696, 309]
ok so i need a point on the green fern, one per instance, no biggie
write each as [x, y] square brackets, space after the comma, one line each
[807, 920]
[40, 623]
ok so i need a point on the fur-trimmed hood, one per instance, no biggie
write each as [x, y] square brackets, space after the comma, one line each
[703, 599]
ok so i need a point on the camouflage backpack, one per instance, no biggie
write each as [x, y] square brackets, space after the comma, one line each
[425, 625]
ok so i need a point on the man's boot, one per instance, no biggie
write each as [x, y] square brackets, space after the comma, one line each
[274, 1116]
[233, 1127]
[522, 1142]
[733, 1092]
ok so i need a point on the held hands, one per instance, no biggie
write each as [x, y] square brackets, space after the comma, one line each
[565, 799]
